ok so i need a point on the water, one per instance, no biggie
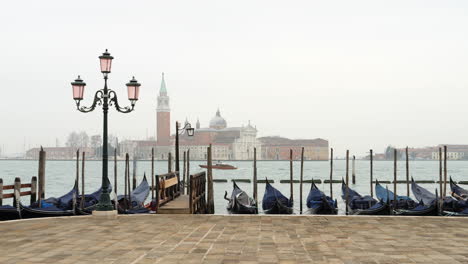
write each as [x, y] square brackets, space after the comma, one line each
[61, 174]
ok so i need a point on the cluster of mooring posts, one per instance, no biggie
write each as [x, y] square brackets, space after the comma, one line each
[386, 202]
[186, 193]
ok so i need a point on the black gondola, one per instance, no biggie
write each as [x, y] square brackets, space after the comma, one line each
[274, 202]
[458, 192]
[319, 203]
[428, 204]
[357, 201]
[52, 207]
[137, 197]
[8, 212]
[387, 196]
[90, 202]
[240, 202]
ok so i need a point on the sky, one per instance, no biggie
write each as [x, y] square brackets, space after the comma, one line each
[361, 74]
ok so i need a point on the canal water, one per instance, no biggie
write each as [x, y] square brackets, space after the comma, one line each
[61, 174]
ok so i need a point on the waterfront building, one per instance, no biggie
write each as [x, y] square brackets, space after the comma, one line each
[60, 153]
[228, 143]
[278, 148]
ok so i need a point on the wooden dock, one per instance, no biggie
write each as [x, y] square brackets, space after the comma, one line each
[180, 205]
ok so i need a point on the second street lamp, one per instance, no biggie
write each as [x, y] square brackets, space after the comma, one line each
[190, 131]
[105, 97]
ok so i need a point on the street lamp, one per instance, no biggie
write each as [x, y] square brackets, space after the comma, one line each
[105, 97]
[190, 131]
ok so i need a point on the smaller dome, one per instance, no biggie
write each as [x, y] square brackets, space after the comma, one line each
[217, 122]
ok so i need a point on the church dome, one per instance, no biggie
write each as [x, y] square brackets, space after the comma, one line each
[217, 122]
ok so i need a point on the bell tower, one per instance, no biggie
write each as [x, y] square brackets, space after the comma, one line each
[163, 116]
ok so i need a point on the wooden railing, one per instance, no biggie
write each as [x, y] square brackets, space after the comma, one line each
[197, 193]
[17, 188]
[167, 188]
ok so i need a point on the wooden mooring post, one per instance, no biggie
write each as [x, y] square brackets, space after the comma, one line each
[134, 180]
[407, 172]
[301, 180]
[210, 202]
[188, 170]
[41, 175]
[17, 191]
[152, 174]
[354, 170]
[184, 170]
[394, 179]
[255, 184]
[82, 202]
[77, 165]
[445, 173]
[169, 162]
[291, 189]
[347, 182]
[371, 173]
[33, 190]
[440, 176]
[331, 173]
[115, 171]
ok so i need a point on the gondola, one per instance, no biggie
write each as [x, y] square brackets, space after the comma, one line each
[8, 212]
[137, 197]
[274, 202]
[52, 207]
[319, 203]
[357, 201]
[240, 202]
[428, 204]
[458, 192]
[385, 195]
[90, 202]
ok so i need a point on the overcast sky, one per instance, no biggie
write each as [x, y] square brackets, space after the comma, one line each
[361, 74]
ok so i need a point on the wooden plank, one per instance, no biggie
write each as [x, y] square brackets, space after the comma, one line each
[180, 205]
[8, 195]
[220, 180]
[170, 182]
[264, 181]
[25, 193]
[8, 187]
[331, 181]
[25, 185]
[241, 180]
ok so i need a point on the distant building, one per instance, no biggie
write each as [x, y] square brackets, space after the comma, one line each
[228, 143]
[454, 152]
[278, 148]
[59, 153]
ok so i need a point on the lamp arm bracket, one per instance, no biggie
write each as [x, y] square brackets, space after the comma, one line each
[97, 101]
[113, 101]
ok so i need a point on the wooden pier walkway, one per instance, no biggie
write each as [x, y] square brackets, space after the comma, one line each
[235, 239]
[180, 205]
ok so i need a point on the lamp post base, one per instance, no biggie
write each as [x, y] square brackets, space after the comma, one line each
[107, 214]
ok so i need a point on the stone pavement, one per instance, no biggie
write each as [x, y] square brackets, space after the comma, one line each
[235, 239]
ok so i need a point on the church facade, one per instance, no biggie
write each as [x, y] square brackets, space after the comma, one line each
[228, 143]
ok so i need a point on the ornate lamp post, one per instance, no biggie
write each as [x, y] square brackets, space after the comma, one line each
[190, 131]
[105, 97]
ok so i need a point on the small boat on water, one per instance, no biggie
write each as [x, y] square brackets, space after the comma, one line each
[458, 192]
[8, 212]
[274, 202]
[240, 202]
[319, 203]
[387, 196]
[428, 204]
[219, 166]
[62, 206]
[137, 199]
[357, 204]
